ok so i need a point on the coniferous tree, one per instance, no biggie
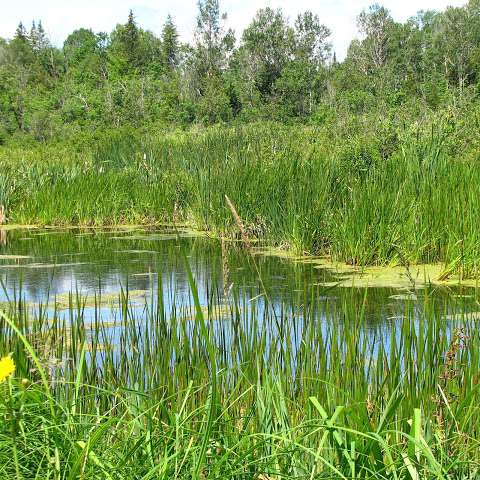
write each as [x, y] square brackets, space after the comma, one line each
[20, 47]
[124, 48]
[21, 33]
[38, 38]
[170, 46]
[131, 38]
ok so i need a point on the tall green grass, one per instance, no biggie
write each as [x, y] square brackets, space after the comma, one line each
[306, 189]
[230, 390]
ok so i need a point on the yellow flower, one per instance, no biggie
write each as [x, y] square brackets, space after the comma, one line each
[7, 367]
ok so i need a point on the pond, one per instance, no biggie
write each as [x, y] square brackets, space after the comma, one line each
[125, 292]
[46, 265]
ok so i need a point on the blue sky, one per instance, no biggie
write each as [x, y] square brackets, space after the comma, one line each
[60, 17]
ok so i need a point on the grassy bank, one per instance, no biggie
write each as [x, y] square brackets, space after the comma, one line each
[230, 390]
[359, 196]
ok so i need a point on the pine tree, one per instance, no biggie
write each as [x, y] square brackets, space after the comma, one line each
[21, 32]
[21, 48]
[131, 34]
[124, 51]
[33, 35]
[170, 43]
[131, 38]
[38, 38]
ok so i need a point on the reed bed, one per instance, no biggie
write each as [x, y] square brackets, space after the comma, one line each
[238, 389]
[301, 188]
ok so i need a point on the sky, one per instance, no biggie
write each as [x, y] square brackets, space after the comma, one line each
[61, 17]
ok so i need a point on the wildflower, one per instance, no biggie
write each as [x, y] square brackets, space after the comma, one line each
[7, 367]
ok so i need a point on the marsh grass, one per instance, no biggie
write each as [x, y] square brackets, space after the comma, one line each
[298, 187]
[227, 390]
[233, 388]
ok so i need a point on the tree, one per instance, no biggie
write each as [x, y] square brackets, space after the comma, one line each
[21, 33]
[38, 38]
[20, 48]
[170, 47]
[267, 46]
[280, 70]
[212, 44]
[456, 40]
[300, 83]
[208, 61]
[130, 36]
[375, 24]
[124, 47]
[80, 46]
[311, 39]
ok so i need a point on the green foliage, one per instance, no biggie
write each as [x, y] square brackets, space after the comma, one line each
[170, 46]
[214, 105]
[280, 70]
[370, 118]
[229, 389]
[267, 44]
[360, 192]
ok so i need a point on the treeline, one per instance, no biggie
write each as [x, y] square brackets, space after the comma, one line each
[277, 69]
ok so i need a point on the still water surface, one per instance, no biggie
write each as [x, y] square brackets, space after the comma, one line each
[44, 266]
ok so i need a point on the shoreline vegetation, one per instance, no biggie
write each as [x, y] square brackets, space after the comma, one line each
[399, 276]
[371, 160]
[368, 166]
[295, 187]
[344, 398]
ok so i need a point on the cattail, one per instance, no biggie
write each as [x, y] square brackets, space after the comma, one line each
[239, 223]
[225, 268]
[176, 212]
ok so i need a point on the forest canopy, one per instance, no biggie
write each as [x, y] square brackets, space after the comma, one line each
[277, 69]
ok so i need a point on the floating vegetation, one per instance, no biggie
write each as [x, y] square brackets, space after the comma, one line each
[134, 353]
[139, 252]
[158, 237]
[382, 214]
[396, 276]
[306, 383]
[64, 301]
[42, 266]
[12, 226]
[406, 296]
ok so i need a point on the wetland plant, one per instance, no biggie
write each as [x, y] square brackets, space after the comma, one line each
[227, 389]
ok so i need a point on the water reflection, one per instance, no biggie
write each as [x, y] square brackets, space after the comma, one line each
[44, 264]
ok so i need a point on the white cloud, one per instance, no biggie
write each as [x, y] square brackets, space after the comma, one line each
[60, 17]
